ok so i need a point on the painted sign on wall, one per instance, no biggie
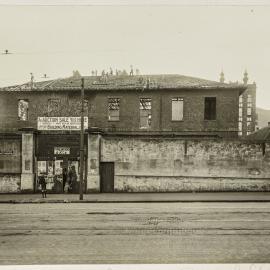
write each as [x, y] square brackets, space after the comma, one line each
[61, 123]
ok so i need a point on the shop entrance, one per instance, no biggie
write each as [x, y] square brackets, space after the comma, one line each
[61, 174]
[58, 161]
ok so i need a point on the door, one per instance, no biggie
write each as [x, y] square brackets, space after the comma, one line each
[107, 176]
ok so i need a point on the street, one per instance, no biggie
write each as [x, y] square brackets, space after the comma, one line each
[92, 233]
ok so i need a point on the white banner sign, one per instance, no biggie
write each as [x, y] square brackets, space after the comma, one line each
[61, 150]
[61, 123]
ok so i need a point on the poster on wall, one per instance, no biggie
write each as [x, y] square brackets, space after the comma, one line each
[58, 167]
[50, 168]
[41, 167]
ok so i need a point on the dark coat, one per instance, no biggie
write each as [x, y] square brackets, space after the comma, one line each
[42, 182]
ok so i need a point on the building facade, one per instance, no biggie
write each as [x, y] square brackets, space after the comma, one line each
[247, 122]
[40, 125]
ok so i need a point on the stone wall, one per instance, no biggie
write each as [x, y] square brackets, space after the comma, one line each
[144, 165]
[10, 164]
[10, 183]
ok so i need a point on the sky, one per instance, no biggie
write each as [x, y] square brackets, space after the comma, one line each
[197, 41]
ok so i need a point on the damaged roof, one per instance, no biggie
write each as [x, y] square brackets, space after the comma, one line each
[124, 82]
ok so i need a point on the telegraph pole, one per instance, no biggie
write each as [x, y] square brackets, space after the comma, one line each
[82, 141]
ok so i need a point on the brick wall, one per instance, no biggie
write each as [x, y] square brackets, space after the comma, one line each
[226, 123]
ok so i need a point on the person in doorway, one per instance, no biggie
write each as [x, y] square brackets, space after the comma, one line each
[72, 175]
[42, 183]
[69, 179]
[64, 178]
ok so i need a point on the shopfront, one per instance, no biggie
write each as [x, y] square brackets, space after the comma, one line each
[58, 154]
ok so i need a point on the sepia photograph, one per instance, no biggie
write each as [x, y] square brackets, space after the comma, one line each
[134, 134]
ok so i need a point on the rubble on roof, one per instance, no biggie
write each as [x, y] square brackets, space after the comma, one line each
[111, 82]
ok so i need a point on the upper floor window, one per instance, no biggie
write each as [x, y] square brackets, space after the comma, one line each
[53, 106]
[23, 106]
[145, 112]
[210, 108]
[177, 109]
[113, 109]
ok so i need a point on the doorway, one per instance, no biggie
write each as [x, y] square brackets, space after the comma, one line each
[107, 177]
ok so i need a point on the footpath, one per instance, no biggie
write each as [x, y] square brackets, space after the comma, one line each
[138, 197]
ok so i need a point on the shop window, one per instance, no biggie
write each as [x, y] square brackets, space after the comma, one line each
[23, 106]
[53, 106]
[177, 109]
[145, 112]
[113, 109]
[210, 108]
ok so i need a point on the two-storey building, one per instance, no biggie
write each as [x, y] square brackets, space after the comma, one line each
[40, 124]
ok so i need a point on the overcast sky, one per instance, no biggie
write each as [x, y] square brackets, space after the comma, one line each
[197, 41]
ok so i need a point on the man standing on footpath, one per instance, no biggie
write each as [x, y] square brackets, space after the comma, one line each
[42, 183]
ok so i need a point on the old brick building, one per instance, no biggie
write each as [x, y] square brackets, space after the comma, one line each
[137, 131]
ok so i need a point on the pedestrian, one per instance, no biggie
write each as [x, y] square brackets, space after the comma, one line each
[42, 183]
[64, 178]
[70, 180]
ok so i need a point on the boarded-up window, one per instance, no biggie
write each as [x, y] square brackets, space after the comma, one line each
[210, 108]
[113, 109]
[145, 112]
[23, 109]
[53, 106]
[177, 108]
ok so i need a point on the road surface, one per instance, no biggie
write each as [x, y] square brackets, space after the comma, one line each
[90, 233]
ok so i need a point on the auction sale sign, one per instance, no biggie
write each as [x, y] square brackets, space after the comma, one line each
[61, 123]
